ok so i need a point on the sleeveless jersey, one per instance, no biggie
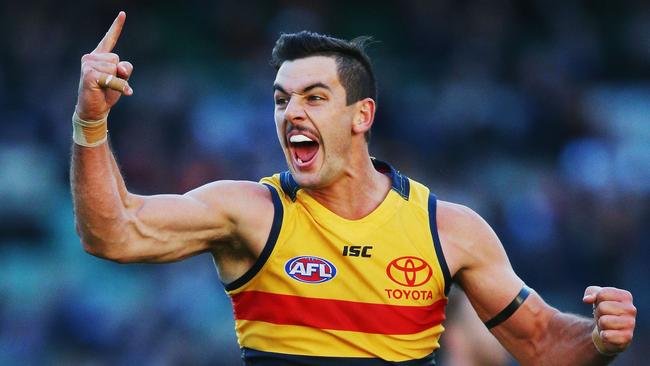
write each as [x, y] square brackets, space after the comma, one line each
[331, 291]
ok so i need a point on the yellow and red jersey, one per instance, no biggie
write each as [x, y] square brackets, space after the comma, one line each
[329, 290]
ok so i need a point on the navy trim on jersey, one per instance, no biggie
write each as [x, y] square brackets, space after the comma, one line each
[289, 185]
[278, 213]
[252, 357]
[433, 225]
[399, 183]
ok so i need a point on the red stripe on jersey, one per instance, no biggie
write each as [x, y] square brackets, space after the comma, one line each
[337, 314]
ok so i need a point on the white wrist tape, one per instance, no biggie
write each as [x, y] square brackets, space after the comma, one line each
[89, 133]
[598, 342]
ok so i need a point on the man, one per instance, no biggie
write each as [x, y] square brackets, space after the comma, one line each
[340, 260]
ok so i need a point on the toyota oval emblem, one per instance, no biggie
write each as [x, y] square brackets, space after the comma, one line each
[409, 271]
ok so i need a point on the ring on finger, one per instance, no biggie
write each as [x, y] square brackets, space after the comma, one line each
[108, 80]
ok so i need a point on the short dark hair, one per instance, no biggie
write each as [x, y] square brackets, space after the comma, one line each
[353, 65]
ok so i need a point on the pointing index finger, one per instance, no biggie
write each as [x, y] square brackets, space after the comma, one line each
[110, 38]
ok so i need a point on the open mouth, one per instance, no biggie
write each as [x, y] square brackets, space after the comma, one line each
[303, 148]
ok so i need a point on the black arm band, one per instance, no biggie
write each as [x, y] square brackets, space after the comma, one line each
[510, 309]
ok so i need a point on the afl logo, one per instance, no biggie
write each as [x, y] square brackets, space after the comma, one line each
[310, 269]
[409, 271]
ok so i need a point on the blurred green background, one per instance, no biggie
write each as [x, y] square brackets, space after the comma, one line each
[534, 113]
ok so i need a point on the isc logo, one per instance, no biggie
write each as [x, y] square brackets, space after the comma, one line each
[357, 251]
[310, 269]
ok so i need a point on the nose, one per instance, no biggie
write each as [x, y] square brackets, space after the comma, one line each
[294, 111]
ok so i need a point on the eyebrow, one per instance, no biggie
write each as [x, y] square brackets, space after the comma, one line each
[279, 88]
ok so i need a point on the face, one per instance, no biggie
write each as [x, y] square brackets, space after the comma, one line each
[313, 122]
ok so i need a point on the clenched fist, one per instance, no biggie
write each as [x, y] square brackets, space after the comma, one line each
[103, 76]
[615, 317]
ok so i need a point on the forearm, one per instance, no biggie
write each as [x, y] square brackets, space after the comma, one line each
[99, 197]
[537, 334]
[119, 179]
[568, 342]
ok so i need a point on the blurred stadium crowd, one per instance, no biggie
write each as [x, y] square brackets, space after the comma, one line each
[534, 113]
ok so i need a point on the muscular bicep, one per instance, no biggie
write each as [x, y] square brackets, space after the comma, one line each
[165, 228]
[481, 267]
[172, 227]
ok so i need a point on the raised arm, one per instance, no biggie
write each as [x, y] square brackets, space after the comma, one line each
[125, 227]
[535, 333]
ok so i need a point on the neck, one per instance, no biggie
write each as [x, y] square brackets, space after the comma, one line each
[358, 192]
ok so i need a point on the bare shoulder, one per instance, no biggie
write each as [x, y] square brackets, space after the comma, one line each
[465, 236]
[476, 259]
[232, 195]
[455, 217]
[248, 208]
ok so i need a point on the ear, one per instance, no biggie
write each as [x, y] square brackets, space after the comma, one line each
[364, 117]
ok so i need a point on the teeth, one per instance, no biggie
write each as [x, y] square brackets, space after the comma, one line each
[300, 138]
[300, 161]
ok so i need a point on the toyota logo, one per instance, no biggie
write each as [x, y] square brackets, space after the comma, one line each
[409, 271]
